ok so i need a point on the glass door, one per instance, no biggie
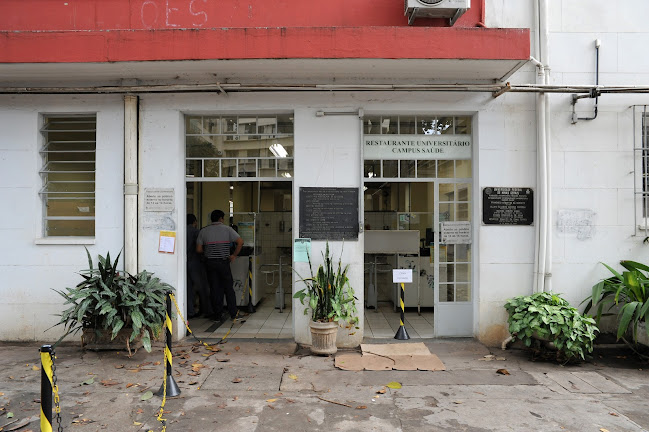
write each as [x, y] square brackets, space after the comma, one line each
[452, 255]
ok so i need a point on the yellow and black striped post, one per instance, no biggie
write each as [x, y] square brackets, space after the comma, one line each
[251, 307]
[171, 387]
[402, 334]
[47, 383]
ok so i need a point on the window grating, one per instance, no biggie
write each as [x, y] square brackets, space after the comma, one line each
[68, 175]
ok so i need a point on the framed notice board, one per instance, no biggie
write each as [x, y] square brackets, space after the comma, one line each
[507, 206]
[329, 213]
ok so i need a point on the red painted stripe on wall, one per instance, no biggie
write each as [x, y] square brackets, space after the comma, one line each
[265, 43]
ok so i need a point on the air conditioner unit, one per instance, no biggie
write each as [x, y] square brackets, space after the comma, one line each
[451, 9]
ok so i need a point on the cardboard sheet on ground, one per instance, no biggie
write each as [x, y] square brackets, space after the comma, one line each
[409, 356]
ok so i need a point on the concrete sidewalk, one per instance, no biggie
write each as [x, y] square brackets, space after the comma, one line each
[274, 386]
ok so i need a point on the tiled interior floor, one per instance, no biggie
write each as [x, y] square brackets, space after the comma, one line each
[269, 323]
[384, 322]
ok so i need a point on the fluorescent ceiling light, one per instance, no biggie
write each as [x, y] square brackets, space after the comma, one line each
[278, 150]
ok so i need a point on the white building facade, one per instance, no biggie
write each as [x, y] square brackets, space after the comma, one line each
[585, 174]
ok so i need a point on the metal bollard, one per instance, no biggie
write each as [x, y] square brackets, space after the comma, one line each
[402, 334]
[251, 307]
[169, 385]
[46, 388]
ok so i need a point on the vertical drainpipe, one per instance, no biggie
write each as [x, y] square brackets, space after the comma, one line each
[543, 231]
[130, 182]
[545, 59]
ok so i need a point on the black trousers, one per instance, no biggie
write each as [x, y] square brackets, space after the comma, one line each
[197, 284]
[219, 275]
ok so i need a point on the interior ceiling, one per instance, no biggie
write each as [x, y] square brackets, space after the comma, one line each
[287, 71]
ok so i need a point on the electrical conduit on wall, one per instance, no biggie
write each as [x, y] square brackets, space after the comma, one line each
[543, 241]
[130, 182]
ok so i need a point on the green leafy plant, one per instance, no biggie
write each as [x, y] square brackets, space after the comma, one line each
[545, 316]
[329, 293]
[108, 301]
[630, 291]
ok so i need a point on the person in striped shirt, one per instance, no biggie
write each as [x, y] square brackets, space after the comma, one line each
[214, 243]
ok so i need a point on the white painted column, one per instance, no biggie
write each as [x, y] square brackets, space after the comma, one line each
[130, 182]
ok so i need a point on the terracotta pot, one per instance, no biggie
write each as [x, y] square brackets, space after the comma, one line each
[323, 337]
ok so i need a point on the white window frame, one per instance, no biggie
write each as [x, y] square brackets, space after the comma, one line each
[43, 192]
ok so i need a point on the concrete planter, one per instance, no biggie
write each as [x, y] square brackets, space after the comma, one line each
[323, 337]
[91, 340]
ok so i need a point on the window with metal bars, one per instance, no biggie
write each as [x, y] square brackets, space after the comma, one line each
[68, 175]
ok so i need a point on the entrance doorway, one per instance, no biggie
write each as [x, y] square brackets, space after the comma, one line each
[418, 181]
[261, 212]
[242, 164]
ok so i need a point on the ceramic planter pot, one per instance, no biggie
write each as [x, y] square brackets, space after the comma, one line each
[323, 337]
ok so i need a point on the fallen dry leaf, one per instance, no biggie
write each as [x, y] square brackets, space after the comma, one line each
[222, 360]
[236, 348]
[293, 377]
[502, 372]
[156, 363]
[361, 407]
[382, 391]
[137, 423]
[270, 406]
[394, 385]
[129, 385]
[108, 383]
[119, 366]
[193, 382]
[236, 380]
[614, 414]
[35, 368]
[271, 400]
[603, 430]
[139, 411]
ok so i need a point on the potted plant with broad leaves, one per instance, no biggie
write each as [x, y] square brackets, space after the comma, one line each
[629, 293]
[331, 301]
[548, 324]
[113, 309]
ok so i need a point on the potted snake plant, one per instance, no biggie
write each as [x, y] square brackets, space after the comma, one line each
[331, 302]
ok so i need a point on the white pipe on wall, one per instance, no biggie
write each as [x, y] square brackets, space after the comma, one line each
[545, 59]
[543, 231]
[130, 183]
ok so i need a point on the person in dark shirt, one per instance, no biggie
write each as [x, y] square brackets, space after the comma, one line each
[214, 243]
[196, 275]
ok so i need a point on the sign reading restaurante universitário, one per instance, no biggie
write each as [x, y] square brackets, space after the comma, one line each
[417, 147]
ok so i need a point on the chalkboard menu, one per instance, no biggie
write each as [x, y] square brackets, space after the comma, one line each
[507, 206]
[328, 213]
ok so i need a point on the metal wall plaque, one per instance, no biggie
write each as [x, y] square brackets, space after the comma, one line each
[329, 213]
[159, 200]
[507, 206]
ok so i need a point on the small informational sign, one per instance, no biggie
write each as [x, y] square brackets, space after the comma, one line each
[456, 233]
[402, 275]
[301, 249]
[167, 243]
[507, 206]
[159, 200]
